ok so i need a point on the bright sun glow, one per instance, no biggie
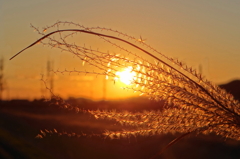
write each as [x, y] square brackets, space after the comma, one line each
[126, 76]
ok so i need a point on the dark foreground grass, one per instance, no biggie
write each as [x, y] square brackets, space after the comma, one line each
[21, 122]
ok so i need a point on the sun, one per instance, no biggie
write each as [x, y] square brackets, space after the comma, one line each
[126, 76]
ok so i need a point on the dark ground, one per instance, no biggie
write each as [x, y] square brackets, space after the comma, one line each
[21, 121]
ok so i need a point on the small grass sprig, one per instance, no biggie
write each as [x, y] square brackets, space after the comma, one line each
[195, 104]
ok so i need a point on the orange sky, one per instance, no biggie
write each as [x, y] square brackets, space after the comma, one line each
[205, 33]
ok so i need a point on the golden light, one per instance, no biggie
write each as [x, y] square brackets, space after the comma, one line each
[126, 76]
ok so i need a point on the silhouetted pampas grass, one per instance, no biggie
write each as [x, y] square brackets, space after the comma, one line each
[195, 104]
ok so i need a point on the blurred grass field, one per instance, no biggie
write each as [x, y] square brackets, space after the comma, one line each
[21, 121]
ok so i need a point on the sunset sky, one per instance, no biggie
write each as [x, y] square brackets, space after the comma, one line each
[203, 34]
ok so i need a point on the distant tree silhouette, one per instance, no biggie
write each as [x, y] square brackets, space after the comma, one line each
[233, 87]
[1, 78]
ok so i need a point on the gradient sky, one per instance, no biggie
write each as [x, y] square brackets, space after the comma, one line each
[202, 33]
